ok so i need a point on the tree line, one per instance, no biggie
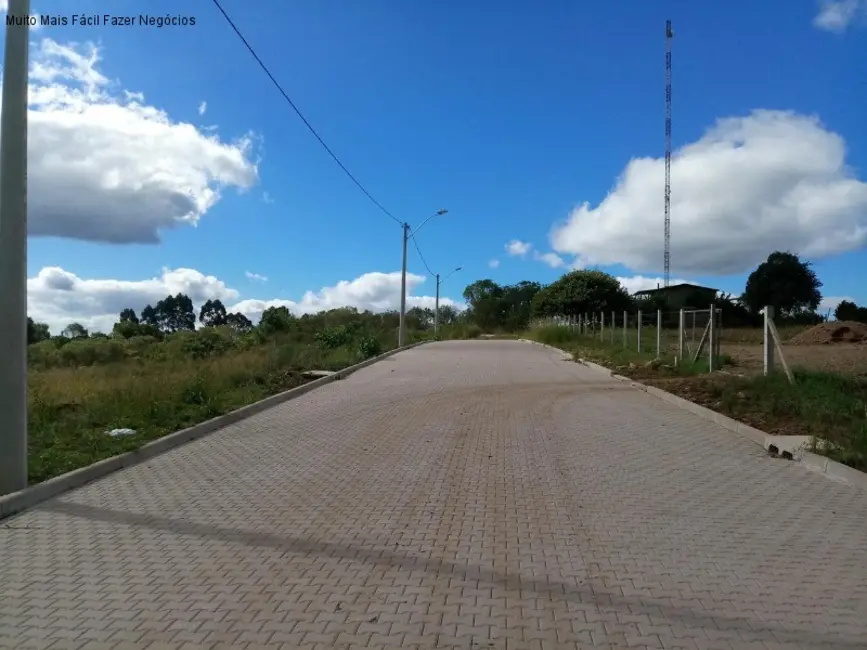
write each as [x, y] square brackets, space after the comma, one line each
[783, 281]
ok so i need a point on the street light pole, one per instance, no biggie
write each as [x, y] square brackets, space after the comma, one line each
[13, 252]
[437, 309]
[401, 333]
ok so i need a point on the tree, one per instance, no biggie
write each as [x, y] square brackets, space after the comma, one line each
[448, 314]
[276, 319]
[149, 316]
[485, 306]
[171, 314]
[239, 322]
[75, 331]
[37, 332]
[848, 310]
[517, 305]
[582, 292]
[213, 314]
[128, 316]
[784, 282]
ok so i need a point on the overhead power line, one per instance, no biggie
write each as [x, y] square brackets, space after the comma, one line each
[415, 241]
[298, 112]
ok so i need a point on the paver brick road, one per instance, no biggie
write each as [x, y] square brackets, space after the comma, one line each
[461, 494]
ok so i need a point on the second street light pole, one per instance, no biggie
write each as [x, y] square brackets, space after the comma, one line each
[407, 233]
[437, 307]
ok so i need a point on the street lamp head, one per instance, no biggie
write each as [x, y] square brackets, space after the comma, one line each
[459, 268]
[441, 212]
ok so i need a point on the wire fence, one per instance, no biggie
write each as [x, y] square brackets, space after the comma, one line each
[687, 336]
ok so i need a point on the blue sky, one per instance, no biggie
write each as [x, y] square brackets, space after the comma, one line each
[511, 115]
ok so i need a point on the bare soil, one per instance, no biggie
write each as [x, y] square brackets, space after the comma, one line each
[840, 358]
[831, 333]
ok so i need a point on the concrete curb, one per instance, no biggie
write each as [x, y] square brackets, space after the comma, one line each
[16, 502]
[567, 356]
[793, 447]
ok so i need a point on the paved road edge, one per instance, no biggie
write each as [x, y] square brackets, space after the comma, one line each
[830, 468]
[17, 502]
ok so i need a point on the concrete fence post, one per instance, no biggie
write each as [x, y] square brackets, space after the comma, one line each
[768, 341]
[680, 332]
[601, 325]
[639, 331]
[613, 326]
[625, 325]
[658, 333]
[711, 352]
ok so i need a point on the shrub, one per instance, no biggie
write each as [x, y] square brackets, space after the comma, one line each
[370, 347]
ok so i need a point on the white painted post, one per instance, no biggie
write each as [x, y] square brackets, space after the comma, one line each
[768, 341]
[681, 326]
[658, 333]
[613, 319]
[625, 325]
[711, 348]
[602, 326]
[639, 331]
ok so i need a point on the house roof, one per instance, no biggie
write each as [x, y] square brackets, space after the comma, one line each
[647, 292]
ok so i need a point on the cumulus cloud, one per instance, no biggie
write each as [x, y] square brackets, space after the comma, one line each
[203, 107]
[643, 283]
[255, 277]
[106, 166]
[551, 259]
[772, 180]
[518, 248]
[59, 297]
[837, 15]
[495, 263]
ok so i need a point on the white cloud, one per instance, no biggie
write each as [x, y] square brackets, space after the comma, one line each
[58, 297]
[643, 283]
[837, 15]
[105, 166]
[494, 263]
[203, 107]
[255, 277]
[551, 259]
[266, 198]
[770, 181]
[518, 248]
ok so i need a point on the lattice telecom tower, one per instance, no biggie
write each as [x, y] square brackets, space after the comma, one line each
[668, 36]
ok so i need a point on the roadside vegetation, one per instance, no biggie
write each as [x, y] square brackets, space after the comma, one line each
[157, 373]
[169, 367]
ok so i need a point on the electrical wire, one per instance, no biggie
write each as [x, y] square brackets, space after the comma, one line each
[415, 241]
[298, 112]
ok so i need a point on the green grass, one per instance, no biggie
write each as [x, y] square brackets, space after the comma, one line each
[71, 409]
[79, 390]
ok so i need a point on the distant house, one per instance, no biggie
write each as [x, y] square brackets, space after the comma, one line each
[681, 296]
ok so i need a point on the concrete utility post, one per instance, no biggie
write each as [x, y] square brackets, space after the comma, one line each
[407, 233]
[437, 309]
[401, 332]
[13, 252]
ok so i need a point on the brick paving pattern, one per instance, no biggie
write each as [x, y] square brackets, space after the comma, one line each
[458, 495]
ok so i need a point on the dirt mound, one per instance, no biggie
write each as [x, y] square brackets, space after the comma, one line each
[845, 331]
